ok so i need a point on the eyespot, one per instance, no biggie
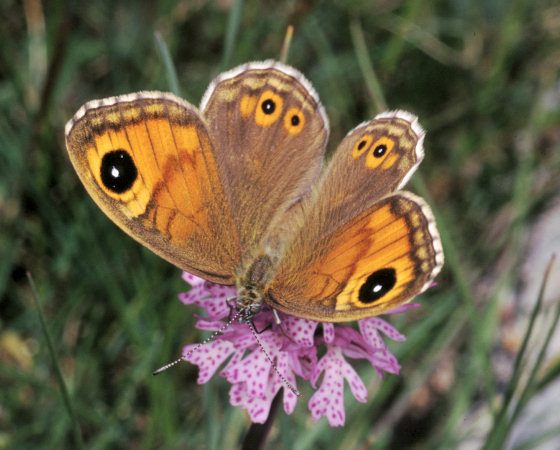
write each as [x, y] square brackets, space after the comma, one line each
[380, 149]
[269, 108]
[118, 171]
[377, 285]
[361, 145]
[294, 120]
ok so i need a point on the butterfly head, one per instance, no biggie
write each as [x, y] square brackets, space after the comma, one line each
[249, 302]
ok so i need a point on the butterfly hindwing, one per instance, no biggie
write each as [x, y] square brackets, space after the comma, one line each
[375, 262]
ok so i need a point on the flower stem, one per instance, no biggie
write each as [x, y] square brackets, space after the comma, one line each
[258, 432]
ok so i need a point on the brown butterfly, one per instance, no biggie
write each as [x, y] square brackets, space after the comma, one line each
[234, 192]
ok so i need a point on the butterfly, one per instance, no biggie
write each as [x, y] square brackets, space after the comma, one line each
[236, 193]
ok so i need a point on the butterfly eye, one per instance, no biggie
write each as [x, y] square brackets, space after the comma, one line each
[118, 171]
[269, 108]
[381, 148]
[361, 145]
[377, 285]
[294, 120]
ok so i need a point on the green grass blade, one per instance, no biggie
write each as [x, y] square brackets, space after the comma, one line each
[370, 78]
[78, 440]
[504, 421]
[532, 384]
[170, 71]
[286, 44]
[234, 22]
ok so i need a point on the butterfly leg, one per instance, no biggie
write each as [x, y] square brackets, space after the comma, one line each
[276, 317]
[277, 320]
[232, 305]
[268, 327]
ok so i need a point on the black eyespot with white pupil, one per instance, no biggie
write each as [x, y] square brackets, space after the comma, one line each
[380, 150]
[268, 106]
[377, 285]
[295, 120]
[118, 171]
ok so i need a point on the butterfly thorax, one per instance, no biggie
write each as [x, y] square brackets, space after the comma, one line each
[251, 287]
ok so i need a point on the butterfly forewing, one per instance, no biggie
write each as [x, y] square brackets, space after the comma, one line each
[270, 133]
[147, 161]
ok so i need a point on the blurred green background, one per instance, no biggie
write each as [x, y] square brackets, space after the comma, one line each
[483, 76]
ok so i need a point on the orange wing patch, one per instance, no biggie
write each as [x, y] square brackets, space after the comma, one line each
[294, 121]
[247, 105]
[381, 152]
[378, 241]
[153, 145]
[361, 146]
[386, 246]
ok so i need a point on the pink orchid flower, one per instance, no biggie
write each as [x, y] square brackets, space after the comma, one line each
[293, 346]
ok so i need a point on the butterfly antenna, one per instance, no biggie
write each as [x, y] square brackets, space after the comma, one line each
[167, 366]
[282, 377]
[200, 344]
